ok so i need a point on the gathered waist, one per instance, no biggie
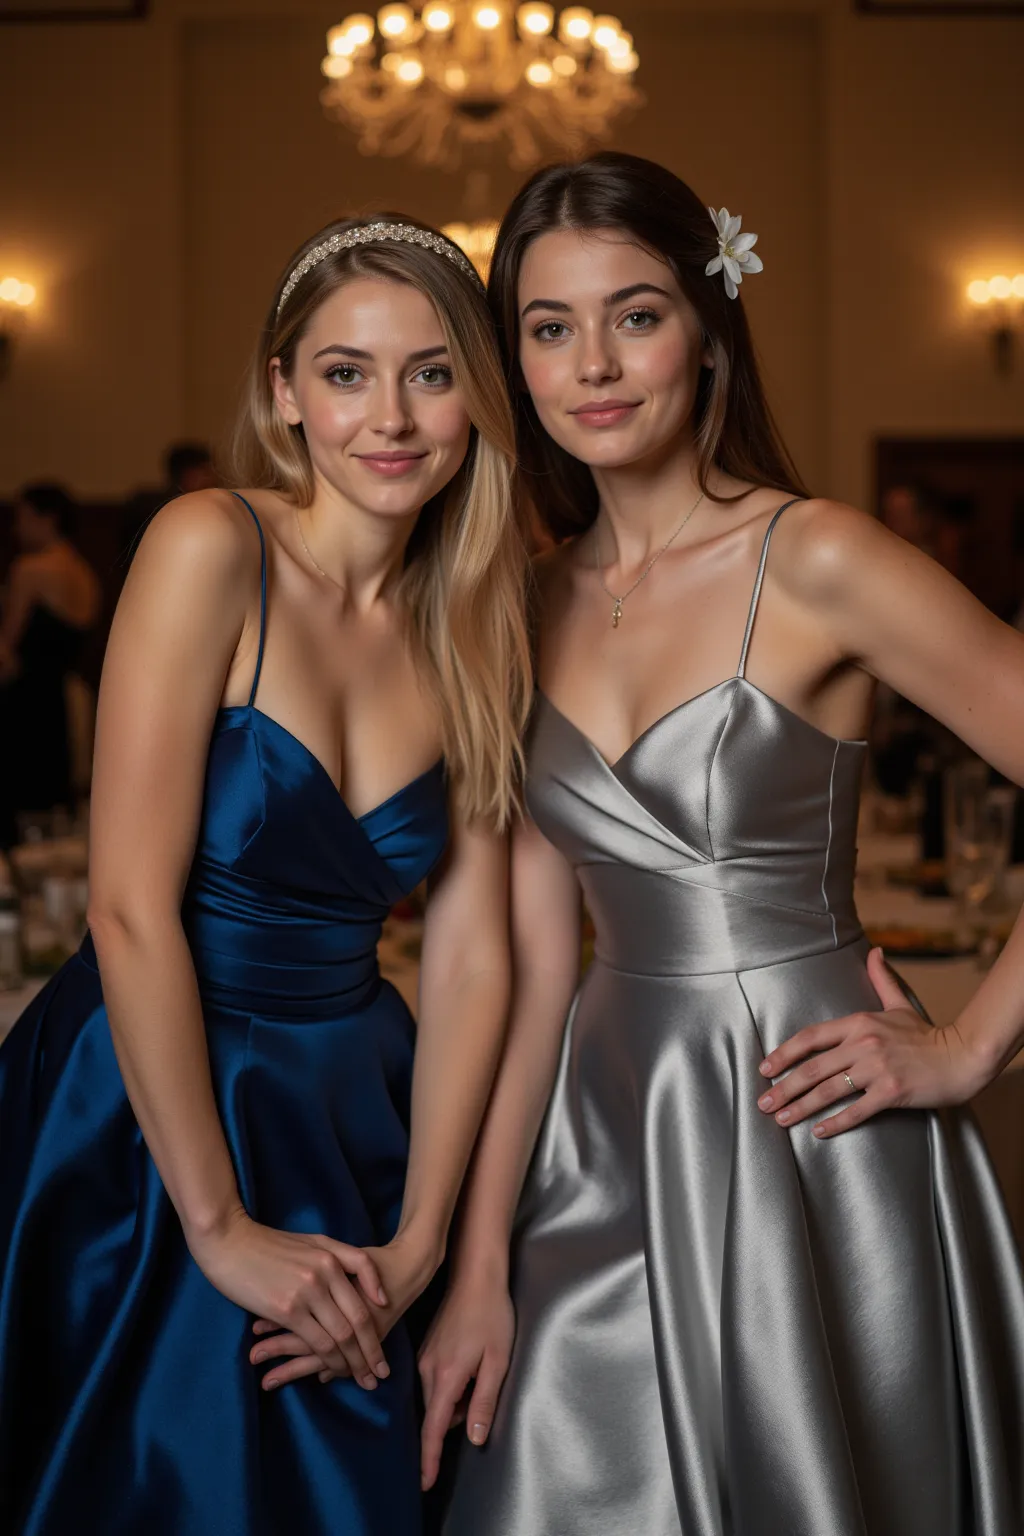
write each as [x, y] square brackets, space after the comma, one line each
[698, 923]
[297, 968]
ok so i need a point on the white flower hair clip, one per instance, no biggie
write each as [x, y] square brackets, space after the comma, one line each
[735, 251]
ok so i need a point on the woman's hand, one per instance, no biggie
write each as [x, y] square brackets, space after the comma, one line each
[404, 1269]
[471, 1337]
[892, 1060]
[300, 1281]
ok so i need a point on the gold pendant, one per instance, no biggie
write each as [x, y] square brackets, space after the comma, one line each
[617, 613]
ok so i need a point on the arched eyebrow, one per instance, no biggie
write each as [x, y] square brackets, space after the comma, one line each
[618, 297]
[337, 350]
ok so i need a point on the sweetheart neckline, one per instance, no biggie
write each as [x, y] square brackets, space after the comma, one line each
[252, 709]
[613, 767]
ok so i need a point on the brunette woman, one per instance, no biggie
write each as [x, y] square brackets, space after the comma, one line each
[311, 702]
[761, 1286]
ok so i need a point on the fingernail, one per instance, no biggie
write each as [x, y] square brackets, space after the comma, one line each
[766, 1101]
[478, 1434]
[268, 1384]
[259, 1357]
[819, 1130]
[383, 1370]
[783, 1116]
[766, 1068]
[382, 1298]
[324, 1376]
[369, 1382]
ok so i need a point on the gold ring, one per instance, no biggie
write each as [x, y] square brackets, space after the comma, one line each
[852, 1085]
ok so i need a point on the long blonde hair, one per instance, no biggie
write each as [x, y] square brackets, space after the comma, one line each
[463, 589]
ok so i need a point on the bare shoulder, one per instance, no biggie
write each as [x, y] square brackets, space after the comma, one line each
[824, 546]
[206, 534]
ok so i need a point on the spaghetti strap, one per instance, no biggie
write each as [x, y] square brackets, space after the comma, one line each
[263, 597]
[758, 583]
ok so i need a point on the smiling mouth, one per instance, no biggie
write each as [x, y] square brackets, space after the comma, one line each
[600, 413]
[390, 463]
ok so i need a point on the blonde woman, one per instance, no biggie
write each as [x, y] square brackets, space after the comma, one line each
[311, 702]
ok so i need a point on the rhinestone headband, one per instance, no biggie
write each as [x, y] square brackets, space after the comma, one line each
[375, 234]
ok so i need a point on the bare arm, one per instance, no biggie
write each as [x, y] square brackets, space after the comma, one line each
[183, 621]
[472, 1335]
[905, 620]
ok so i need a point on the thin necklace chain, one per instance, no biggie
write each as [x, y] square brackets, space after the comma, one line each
[618, 601]
[325, 574]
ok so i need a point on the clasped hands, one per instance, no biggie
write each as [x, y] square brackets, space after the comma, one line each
[893, 1059]
[322, 1307]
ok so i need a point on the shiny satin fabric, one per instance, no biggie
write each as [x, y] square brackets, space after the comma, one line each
[726, 1328]
[127, 1402]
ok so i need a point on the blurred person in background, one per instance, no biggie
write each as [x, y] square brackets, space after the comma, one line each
[52, 599]
[187, 467]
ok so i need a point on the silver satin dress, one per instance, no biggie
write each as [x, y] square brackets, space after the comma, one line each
[726, 1328]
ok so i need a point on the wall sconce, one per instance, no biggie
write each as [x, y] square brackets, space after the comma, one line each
[1000, 300]
[15, 299]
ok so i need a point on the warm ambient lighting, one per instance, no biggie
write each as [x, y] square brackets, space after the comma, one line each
[14, 291]
[477, 240]
[433, 78]
[395, 21]
[16, 297]
[540, 72]
[1001, 300]
[605, 30]
[438, 17]
[575, 24]
[535, 20]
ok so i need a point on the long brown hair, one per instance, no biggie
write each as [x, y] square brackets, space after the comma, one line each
[734, 428]
[463, 587]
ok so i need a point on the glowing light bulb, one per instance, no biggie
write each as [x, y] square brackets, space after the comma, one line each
[438, 17]
[564, 64]
[26, 295]
[358, 28]
[605, 30]
[535, 20]
[1000, 287]
[540, 72]
[410, 71]
[336, 66]
[455, 78]
[1018, 286]
[390, 61]
[978, 292]
[487, 17]
[9, 290]
[621, 46]
[395, 20]
[574, 24]
[623, 65]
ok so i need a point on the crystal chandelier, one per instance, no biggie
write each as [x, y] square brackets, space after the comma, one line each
[433, 79]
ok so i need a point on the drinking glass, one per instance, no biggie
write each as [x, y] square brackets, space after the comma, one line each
[979, 828]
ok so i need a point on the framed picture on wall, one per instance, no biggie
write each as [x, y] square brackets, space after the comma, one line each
[87, 10]
[941, 7]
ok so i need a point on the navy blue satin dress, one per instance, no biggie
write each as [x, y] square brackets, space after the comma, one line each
[127, 1401]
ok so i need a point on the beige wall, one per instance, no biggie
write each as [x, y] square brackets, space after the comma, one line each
[164, 170]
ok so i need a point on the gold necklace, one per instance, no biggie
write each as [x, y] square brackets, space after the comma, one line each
[618, 601]
[326, 575]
